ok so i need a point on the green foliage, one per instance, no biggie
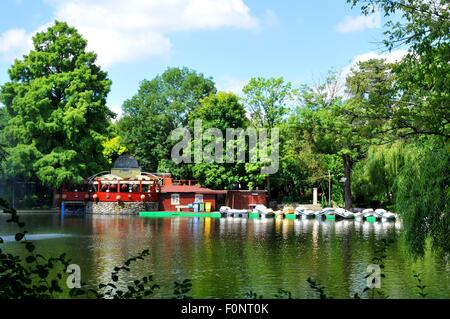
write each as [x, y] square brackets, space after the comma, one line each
[217, 175]
[412, 178]
[182, 288]
[160, 106]
[112, 148]
[317, 287]
[3, 121]
[423, 195]
[218, 111]
[56, 104]
[370, 86]
[379, 259]
[252, 295]
[267, 100]
[374, 177]
[40, 277]
[222, 110]
[420, 286]
[331, 128]
[421, 99]
[36, 276]
[253, 177]
[140, 288]
[283, 294]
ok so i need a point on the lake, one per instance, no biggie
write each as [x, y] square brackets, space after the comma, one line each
[227, 257]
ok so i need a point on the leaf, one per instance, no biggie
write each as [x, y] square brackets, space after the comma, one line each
[30, 259]
[43, 273]
[29, 246]
[80, 292]
[19, 236]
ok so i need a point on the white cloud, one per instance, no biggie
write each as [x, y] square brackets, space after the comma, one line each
[120, 31]
[13, 43]
[390, 57]
[123, 31]
[359, 23]
[16, 42]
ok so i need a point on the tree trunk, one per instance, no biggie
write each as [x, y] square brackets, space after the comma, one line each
[347, 183]
[268, 185]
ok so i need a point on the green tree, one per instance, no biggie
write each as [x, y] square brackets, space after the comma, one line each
[332, 131]
[56, 101]
[371, 86]
[418, 112]
[301, 167]
[412, 178]
[160, 106]
[3, 121]
[219, 111]
[421, 99]
[267, 99]
[222, 110]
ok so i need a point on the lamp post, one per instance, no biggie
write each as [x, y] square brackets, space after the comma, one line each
[329, 188]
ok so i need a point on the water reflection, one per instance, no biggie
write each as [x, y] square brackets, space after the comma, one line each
[226, 257]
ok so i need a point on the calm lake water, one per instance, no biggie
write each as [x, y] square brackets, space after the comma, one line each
[227, 257]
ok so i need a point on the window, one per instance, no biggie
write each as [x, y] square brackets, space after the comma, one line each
[175, 199]
[199, 198]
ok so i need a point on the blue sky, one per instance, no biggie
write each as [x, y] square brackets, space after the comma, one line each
[228, 40]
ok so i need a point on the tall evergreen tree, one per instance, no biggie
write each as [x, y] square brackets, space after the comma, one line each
[56, 104]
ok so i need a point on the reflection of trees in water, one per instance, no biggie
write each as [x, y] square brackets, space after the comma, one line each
[227, 256]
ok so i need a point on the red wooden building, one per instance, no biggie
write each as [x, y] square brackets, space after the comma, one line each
[246, 199]
[126, 184]
[174, 197]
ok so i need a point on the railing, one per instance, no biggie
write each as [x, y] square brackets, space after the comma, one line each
[187, 182]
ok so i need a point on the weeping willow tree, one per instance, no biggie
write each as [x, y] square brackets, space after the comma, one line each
[413, 179]
[423, 195]
[375, 176]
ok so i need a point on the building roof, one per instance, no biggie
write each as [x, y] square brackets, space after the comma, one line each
[125, 161]
[190, 189]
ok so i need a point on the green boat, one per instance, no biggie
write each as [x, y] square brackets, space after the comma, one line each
[253, 215]
[371, 219]
[178, 214]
